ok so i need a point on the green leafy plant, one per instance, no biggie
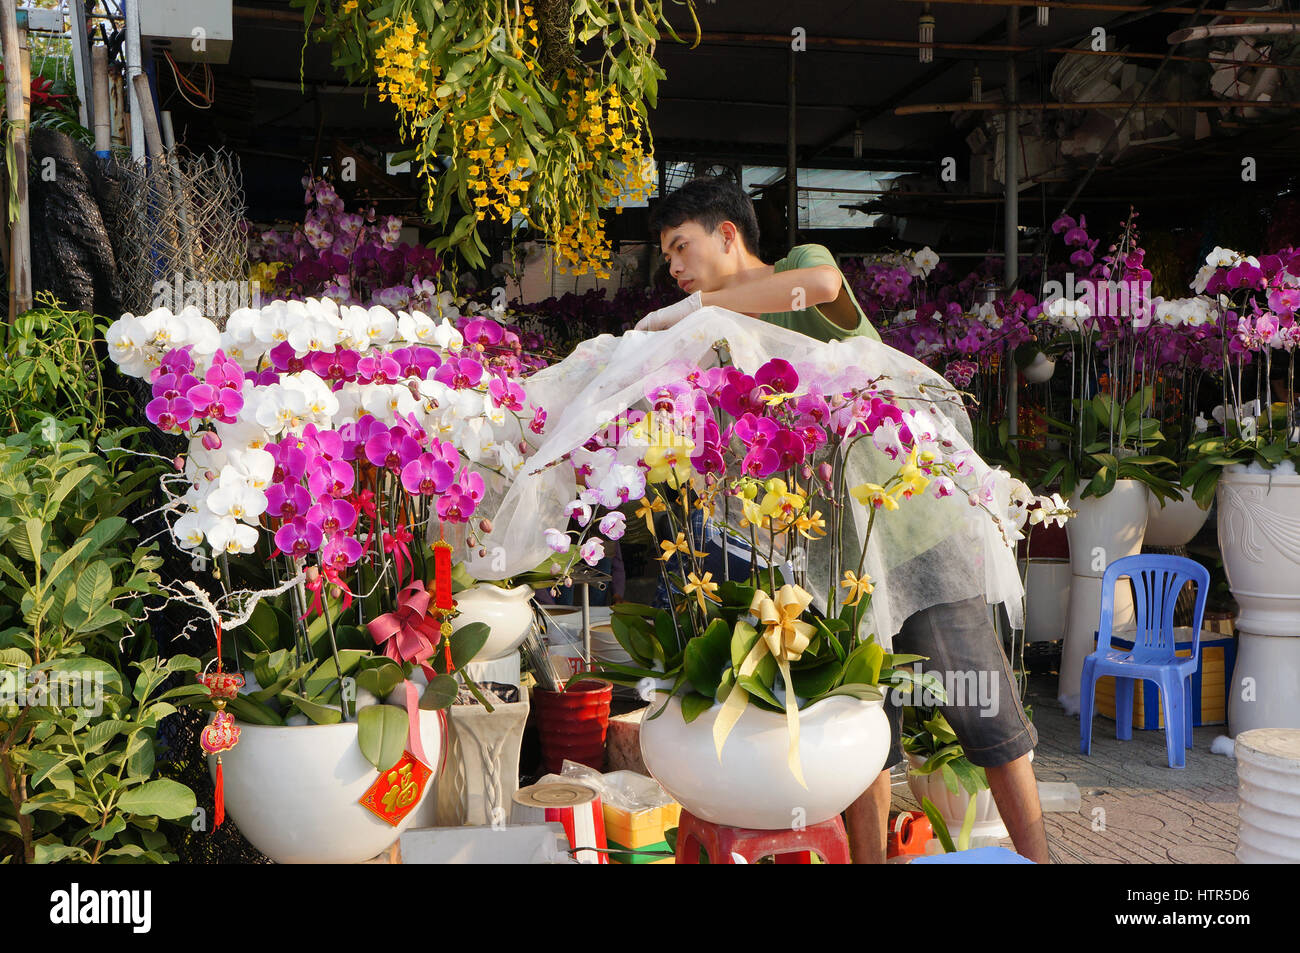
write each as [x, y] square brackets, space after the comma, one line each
[326, 672]
[703, 669]
[78, 778]
[1106, 442]
[929, 739]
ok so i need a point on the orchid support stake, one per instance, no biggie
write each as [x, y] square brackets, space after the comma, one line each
[334, 652]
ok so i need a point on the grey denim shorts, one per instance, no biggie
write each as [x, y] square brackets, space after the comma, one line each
[963, 650]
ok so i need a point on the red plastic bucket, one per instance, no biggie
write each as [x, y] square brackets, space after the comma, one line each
[573, 724]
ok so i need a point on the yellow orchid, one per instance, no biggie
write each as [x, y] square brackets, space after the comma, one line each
[703, 588]
[671, 465]
[677, 546]
[858, 587]
[873, 494]
[913, 480]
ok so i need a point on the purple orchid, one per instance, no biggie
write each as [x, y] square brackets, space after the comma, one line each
[427, 475]
[392, 449]
[341, 552]
[299, 537]
[287, 500]
[462, 498]
[333, 515]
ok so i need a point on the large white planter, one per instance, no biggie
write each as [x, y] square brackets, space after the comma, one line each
[988, 822]
[1106, 528]
[843, 743]
[294, 792]
[507, 612]
[1259, 535]
[1175, 523]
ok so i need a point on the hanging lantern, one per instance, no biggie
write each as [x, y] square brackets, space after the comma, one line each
[926, 25]
[1043, 13]
[976, 87]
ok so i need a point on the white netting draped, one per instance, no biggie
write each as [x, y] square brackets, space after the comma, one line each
[930, 551]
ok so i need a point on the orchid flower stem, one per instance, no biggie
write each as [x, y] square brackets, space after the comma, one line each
[334, 652]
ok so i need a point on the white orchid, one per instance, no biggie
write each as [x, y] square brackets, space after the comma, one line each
[129, 347]
[233, 497]
[228, 535]
[925, 260]
[189, 531]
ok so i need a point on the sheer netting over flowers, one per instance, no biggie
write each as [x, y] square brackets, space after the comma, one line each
[932, 550]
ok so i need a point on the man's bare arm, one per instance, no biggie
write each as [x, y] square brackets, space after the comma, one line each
[820, 285]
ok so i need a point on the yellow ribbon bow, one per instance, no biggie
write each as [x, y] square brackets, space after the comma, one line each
[784, 636]
[703, 588]
[858, 587]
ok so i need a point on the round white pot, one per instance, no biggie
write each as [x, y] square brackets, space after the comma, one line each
[1259, 535]
[1268, 786]
[507, 612]
[1040, 369]
[295, 792]
[843, 743]
[988, 822]
[1175, 523]
[1106, 528]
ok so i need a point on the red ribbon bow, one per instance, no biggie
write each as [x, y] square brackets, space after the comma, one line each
[409, 633]
[396, 543]
[331, 575]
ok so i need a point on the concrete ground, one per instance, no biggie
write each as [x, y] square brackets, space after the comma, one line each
[1135, 808]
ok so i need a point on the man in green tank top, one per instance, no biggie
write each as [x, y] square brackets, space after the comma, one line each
[709, 236]
[708, 233]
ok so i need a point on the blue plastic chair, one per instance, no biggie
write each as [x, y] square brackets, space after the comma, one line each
[1157, 580]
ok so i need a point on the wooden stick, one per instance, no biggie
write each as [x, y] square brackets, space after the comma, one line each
[17, 105]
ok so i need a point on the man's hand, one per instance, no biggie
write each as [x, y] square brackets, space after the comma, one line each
[665, 318]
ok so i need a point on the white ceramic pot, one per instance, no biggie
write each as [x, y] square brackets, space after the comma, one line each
[988, 822]
[1259, 535]
[294, 792]
[843, 743]
[1047, 592]
[1265, 689]
[1106, 528]
[1040, 369]
[1175, 523]
[507, 612]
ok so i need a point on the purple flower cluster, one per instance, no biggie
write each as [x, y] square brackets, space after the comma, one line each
[179, 398]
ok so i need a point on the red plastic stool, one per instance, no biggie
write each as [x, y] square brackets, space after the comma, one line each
[827, 839]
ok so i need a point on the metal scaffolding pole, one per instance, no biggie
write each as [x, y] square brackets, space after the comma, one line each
[1011, 212]
[791, 165]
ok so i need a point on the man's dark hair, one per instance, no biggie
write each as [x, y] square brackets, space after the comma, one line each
[710, 201]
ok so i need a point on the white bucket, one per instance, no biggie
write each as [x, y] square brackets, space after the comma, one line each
[1268, 791]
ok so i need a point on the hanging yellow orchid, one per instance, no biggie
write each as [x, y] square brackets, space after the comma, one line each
[873, 494]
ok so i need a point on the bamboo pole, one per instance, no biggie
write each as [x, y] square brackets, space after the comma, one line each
[18, 106]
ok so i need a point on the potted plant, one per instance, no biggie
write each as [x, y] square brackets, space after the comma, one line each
[773, 677]
[938, 771]
[330, 450]
[1248, 456]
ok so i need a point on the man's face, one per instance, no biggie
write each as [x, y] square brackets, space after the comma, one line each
[697, 259]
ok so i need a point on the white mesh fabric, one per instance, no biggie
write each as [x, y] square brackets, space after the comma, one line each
[930, 551]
